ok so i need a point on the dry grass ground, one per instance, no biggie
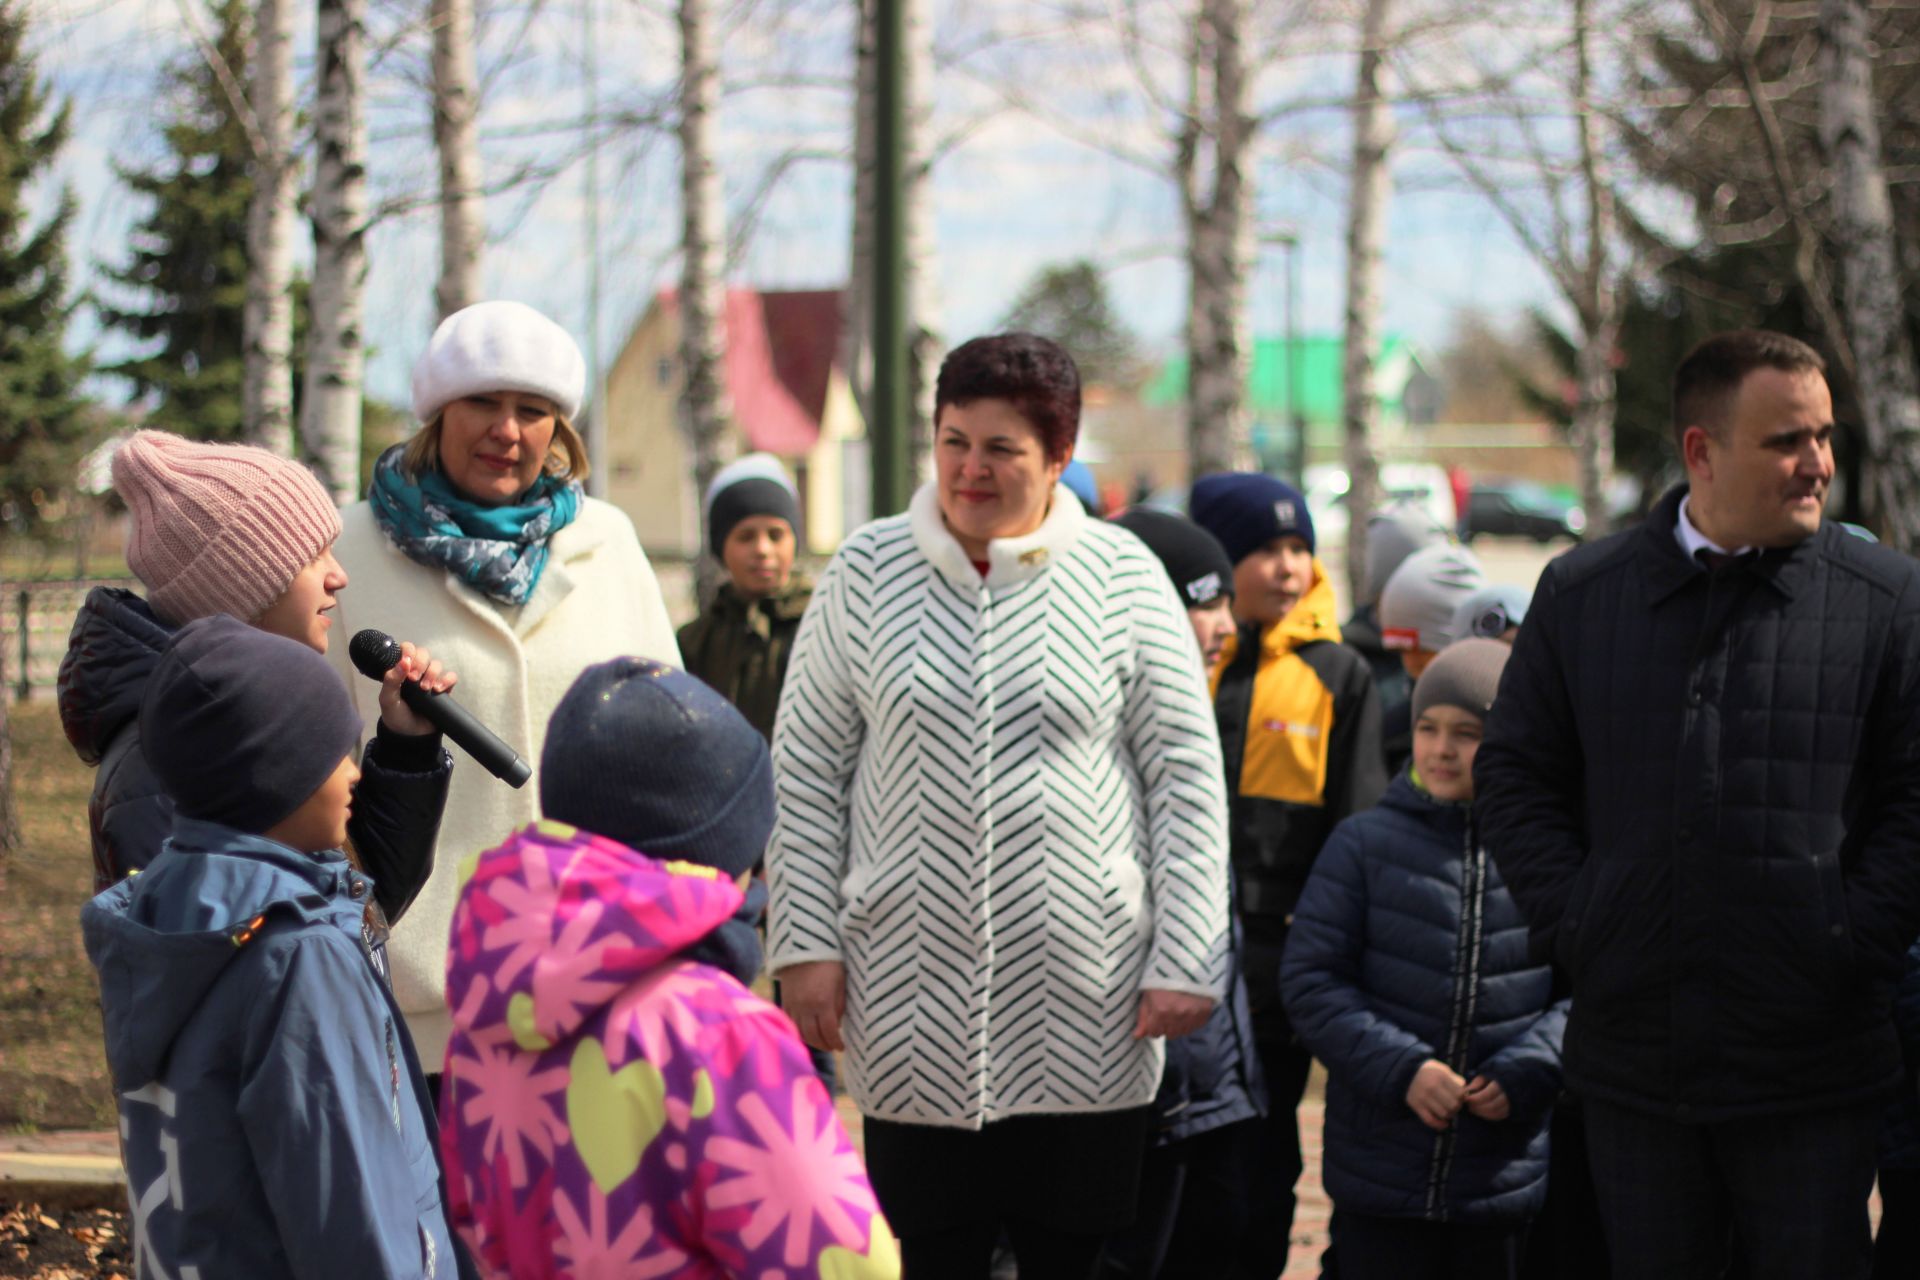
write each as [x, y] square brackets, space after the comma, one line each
[52, 1073]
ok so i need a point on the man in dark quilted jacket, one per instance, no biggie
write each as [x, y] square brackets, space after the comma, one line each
[1701, 783]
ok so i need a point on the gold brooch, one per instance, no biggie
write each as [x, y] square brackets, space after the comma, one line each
[1036, 556]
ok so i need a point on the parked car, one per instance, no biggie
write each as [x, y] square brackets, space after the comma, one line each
[1518, 509]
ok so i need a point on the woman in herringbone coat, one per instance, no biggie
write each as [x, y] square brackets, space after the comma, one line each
[998, 870]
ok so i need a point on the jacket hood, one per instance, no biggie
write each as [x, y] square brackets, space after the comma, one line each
[586, 917]
[116, 640]
[1404, 796]
[1311, 619]
[161, 938]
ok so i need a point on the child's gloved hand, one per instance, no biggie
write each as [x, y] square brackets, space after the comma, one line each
[1437, 1093]
[1486, 1099]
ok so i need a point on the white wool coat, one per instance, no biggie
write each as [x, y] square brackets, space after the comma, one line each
[1001, 806]
[596, 599]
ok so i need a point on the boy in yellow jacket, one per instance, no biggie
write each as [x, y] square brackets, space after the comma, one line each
[1300, 731]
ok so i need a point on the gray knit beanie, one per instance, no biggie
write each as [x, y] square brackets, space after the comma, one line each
[1465, 675]
[1394, 533]
[1418, 605]
[645, 754]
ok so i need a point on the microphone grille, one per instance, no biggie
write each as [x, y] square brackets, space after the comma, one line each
[373, 653]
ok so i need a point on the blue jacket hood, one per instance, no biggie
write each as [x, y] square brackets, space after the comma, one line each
[162, 938]
[116, 640]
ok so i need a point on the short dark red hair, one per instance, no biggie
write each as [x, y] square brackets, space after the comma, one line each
[1036, 376]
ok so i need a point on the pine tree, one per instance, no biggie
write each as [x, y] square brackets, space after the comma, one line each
[43, 420]
[187, 275]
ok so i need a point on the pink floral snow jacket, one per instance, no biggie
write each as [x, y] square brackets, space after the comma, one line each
[610, 1110]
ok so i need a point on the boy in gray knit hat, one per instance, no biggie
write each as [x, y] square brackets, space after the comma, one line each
[1428, 1063]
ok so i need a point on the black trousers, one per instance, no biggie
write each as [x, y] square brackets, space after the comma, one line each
[1412, 1249]
[1273, 1164]
[1193, 1209]
[1566, 1240]
[1790, 1190]
[1056, 1185]
[1896, 1250]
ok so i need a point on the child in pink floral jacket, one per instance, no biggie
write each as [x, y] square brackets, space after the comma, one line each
[616, 1103]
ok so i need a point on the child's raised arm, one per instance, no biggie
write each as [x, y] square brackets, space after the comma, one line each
[1320, 981]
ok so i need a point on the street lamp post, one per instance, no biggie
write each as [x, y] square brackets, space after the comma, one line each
[1293, 422]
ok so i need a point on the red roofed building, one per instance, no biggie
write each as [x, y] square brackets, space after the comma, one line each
[789, 397]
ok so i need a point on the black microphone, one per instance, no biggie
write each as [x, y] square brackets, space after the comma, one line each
[374, 653]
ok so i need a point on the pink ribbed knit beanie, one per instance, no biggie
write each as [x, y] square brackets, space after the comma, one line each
[218, 528]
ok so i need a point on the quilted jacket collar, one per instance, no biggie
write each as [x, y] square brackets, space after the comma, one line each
[1667, 568]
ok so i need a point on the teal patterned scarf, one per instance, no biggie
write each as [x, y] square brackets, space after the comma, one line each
[499, 551]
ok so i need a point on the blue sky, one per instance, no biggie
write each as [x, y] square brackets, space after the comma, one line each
[1013, 197]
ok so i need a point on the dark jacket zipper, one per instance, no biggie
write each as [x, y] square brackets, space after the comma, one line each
[1466, 987]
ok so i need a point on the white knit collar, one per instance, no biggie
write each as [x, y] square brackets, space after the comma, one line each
[1009, 560]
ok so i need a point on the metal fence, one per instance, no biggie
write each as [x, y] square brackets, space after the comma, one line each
[35, 620]
[37, 617]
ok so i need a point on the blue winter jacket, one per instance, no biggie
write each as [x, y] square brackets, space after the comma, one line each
[1212, 1078]
[271, 1107]
[1405, 946]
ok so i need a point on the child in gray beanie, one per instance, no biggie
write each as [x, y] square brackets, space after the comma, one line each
[1429, 1060]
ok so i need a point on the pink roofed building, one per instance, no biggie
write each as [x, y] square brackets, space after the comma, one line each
[789, 397]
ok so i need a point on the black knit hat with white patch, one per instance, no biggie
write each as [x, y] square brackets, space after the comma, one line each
[1194, 558]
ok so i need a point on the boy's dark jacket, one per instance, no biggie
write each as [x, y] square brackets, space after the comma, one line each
[1704, 791]
[1381, 973]
[115, 643]
[272, 1110]
[1300, 735]
[740, 647]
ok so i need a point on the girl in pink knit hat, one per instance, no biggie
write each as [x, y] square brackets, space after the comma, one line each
[232, 529]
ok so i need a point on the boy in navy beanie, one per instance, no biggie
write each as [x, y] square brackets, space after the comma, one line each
[1300, 729]
[273, 1111]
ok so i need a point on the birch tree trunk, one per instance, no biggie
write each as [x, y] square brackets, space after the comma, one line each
[456, 136]
[336, 356]
[926, 341]
[1864, 239]
[1598, 304]
[1372, 187]
[703, 252]
[266, 398]
[1216, 194]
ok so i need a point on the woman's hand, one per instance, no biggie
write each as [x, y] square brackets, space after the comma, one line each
[415, 664]
[1170, 1013]
[815, 996]
[1436, 1093]
[1486, 1099]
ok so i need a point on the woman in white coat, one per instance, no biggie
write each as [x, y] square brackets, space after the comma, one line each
[999, 866]
[477, 542]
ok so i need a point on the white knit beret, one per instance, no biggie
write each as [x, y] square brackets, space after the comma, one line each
[498, 346]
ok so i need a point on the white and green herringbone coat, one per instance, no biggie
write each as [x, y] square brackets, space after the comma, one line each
[1001, 806]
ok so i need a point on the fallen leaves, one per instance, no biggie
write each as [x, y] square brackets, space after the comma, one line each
[50, 1243]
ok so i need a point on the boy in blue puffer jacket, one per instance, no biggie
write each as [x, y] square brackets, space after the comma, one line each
[272, 1110]
[1407, 974]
